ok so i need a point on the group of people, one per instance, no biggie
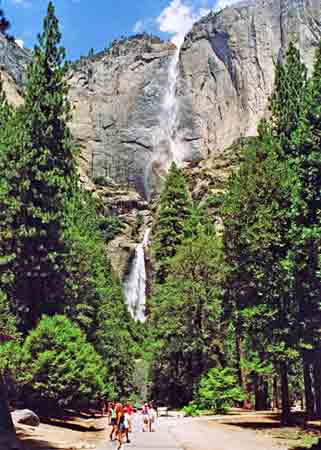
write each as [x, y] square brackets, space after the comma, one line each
[121, 419]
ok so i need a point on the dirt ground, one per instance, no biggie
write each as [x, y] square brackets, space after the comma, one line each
[68, 434]
[301, 435]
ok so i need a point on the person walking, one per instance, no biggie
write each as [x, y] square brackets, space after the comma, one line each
[145, 418]
[121, 430]
[152, 414]
[112, 413]
[127, 419]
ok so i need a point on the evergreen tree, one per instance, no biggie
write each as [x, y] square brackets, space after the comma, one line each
[185, 318]
[94, 297]
[4, 23]
[58, 368]
[174, 208]
[37, 175]
[306, 236]
[288, 98]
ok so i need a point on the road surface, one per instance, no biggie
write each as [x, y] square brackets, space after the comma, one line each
[195, 434]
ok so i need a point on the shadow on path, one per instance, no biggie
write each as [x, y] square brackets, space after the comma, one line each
[71, 425]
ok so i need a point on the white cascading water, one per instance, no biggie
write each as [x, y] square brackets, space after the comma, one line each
[135, 286]
[168, 143]
[169, 147]
[170, 113]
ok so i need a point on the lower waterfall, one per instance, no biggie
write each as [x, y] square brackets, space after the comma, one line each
[135, 285]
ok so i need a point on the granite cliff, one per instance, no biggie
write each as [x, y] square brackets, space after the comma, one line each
[225, 76]
[228, 65]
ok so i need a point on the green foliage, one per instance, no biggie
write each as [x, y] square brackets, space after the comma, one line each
[59, 369]
[185, 318]
[37, 173]
[8, 325]
[174, 207]
[110, 227]
[288, 98]
[272, 234]
[218, 390]
[94, 298]
[53, 242]
[191, 410]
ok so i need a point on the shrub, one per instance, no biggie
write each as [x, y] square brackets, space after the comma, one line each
[59, 368]
[218, 390]
[110, 227]
[192, 409]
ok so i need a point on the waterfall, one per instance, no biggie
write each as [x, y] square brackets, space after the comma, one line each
[170, 113]
[168, 143]
[135, 285]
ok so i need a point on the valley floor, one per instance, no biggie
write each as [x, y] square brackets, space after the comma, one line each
[237, 431]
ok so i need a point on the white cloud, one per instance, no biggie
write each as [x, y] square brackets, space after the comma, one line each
[139, 26]
[19, 42]
[220, 4]
[179, 16]
[24, 3]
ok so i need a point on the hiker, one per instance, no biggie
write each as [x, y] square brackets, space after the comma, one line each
[121, 429]
[145, 417]
[130, 410]
[152, 414]
[127, 423]
[112, 414]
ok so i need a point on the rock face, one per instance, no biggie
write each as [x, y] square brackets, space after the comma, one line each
[13, 66]
[13, 60]
[226, 74]
[227, 65]
[117, 96]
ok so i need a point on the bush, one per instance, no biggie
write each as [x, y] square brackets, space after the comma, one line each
[192, 409]
[218, 390]
[110, 227]
[59, 368]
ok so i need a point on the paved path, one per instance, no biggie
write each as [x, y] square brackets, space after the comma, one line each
[161, 439]
[196, 434]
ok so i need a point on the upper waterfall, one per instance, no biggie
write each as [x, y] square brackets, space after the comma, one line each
[170, 112]
[135, 285]
[168, 141]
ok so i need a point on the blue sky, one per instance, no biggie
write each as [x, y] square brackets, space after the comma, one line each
[94, 24]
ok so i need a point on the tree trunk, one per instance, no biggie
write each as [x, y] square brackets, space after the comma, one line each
[6, 423]
[317, 385]
[238, 349]
[276, 403]
[238, 353]
[285, 417]
[260, 393]
[309, 397]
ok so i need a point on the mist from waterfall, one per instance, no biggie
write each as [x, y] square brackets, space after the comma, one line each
[135, 285]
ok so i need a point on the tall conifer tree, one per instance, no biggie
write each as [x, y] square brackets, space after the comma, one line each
[306, 236]
[37, 172]
[175, 207]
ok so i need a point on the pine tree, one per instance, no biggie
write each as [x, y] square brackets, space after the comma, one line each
[306, 235]
[174, 208]
[185, 318]
[287, 100]
[4, 23]
[37, 175]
